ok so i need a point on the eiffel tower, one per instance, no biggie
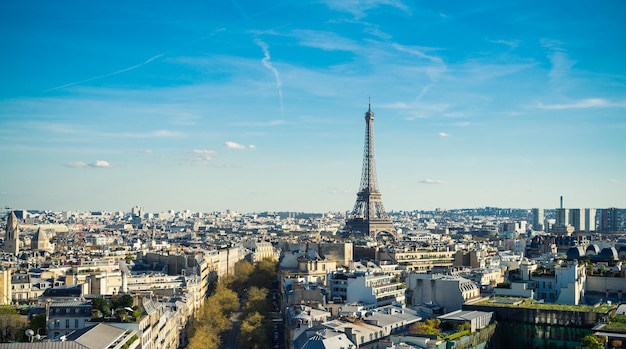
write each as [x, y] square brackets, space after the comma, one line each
[368, 218]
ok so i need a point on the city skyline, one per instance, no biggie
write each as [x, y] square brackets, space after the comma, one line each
[258, 106]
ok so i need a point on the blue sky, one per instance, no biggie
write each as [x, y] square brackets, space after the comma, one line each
[259, 105]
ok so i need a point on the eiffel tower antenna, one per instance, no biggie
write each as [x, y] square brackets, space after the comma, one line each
[368, 218]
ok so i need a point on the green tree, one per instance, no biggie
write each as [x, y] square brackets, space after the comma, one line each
[225, 298]
[122, 301]
[257, 301]
[212, 315]
[203, 337]
[38, 323]
[12, 326]
[243, 270]
[253, 333]
[102, 305]
[264, 273]
[121, 313]
[592, 342]
[137, 313]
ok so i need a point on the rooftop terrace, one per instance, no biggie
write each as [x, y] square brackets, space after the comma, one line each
[512, 302]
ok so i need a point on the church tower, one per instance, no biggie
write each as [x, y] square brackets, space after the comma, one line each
[40, 241]
[12, 237]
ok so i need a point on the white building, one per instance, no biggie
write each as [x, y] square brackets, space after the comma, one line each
[590, 219]
[449, 292]
[477, 319]
[67, 316]
[376, 289]
[564, 283]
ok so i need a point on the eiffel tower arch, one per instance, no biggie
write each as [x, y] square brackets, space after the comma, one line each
[368, 217]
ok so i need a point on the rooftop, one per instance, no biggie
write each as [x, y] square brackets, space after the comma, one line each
[511, 302]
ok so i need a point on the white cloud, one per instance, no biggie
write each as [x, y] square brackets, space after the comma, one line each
[149, 134]
[261, 124]
[233, 145]
[443, 134]
[431, 181]
[204, 153]
[326, 41]
[512, 44]
[199, 157]
[359, 7]
[462, 124]
[100, 164]
[252, 146]
[76, 164]
[419, 52]
[561, 63]
[583, 104]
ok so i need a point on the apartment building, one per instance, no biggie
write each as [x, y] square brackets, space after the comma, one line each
[65, 317]
[376, 289]
[447, 291]
[417, 259]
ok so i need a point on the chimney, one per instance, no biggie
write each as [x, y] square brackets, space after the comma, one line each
[348, 331]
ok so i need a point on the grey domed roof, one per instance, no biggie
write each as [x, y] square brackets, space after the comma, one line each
[575, 252]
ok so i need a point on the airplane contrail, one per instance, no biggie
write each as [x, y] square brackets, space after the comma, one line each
[268, 65]
[109, 74]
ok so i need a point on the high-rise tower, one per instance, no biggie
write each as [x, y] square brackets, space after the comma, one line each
[368, 218]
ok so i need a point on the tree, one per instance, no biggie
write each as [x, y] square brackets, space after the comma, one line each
[225, 298]
[264, 273]
[102, 305]
[12, 326]
[257, 301]
[243, 270]
[38, 323]
[121, 313]
[212, 315]
[592, 342]
[204, 337]
[253, 332]
[122, 301]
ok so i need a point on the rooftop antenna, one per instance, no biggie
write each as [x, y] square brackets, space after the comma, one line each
[369, 103]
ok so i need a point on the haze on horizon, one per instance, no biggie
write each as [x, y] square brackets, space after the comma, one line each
[258, 106]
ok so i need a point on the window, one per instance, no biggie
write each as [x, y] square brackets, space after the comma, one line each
[76, 323]
[67, 323]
